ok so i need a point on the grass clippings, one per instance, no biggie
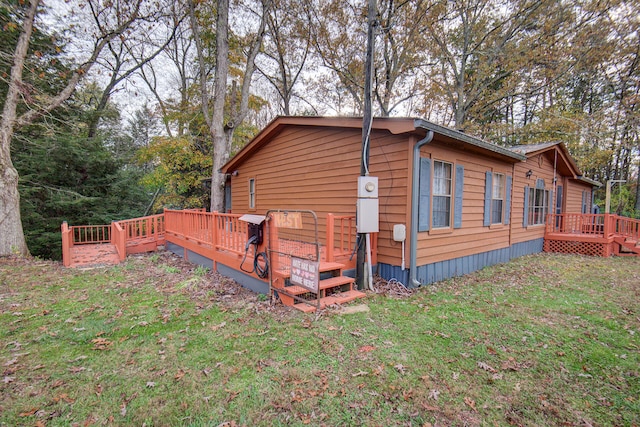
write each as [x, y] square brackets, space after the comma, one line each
[545, 340]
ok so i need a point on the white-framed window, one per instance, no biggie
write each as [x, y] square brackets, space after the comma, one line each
[538, 206]
[252, 193]
[442, 179]
[497, 198]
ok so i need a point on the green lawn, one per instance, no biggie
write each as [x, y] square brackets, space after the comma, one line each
[544, 340]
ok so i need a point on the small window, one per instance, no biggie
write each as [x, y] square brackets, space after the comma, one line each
[441, 194]
[497, 198]
[252, 193]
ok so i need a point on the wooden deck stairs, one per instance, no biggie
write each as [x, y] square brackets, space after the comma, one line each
[628, 246]
[334, 288]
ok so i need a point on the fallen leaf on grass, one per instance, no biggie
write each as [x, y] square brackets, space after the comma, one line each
[179, 375]
[150, 384]
[29, 412]
[11, 362]
[8, 380]
[471, 403]
[216, 327]
[486, 367]
[101, 344]
[359, 374]
[433, 394]
[400, 368]
[366, 348]
[63, 397]
[232, 395]
[57, 383]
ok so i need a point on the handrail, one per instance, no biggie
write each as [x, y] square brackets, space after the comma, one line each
[627, 227]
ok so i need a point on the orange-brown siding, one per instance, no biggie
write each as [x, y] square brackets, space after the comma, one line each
[316, 168]
[472, 238]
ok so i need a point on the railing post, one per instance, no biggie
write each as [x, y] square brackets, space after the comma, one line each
[607, 225]
[66, 245]
[330, 237]
[214, 230]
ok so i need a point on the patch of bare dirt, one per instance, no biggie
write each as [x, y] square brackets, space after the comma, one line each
[171, 273]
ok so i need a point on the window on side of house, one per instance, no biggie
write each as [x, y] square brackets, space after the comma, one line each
[442, 175]
[538, 206]
[497, 198]
[252, 193]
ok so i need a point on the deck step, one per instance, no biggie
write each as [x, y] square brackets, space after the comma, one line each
[332, 282]
[330, 266]
[339, 298]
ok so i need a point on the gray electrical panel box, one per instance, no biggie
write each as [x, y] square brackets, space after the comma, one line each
[367, 216]
[367, 212]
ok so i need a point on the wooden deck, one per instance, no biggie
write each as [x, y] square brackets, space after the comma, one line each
[592, 234]
[222, 239]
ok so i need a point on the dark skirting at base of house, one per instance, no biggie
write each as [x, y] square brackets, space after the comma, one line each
[443, 270]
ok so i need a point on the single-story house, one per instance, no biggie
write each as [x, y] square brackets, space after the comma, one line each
[465, 203]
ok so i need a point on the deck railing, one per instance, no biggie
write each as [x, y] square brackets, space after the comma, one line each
[341, 235]
[148, 227]
[90, 234]
[627, 227]
[218, 230]
[593, 225]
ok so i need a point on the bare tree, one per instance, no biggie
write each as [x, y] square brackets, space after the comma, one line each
[286, 48]
[115, 20]
[215, 108]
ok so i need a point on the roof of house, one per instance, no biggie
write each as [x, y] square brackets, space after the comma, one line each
[530, 150]
[394, 125]
[398, 125]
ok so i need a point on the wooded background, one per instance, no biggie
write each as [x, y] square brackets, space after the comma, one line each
[116, 108]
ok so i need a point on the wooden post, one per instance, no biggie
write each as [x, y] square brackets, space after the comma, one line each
[330, 237]
[66, 245]
[214, 229]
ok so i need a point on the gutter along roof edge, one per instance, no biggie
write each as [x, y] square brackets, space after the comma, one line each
[461, 136]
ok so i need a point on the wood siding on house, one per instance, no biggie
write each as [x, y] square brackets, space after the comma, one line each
[317, 169]
[541, 166]
[472, 237]
[576, 191]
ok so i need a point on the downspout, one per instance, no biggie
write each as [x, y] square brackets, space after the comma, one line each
[415, 200]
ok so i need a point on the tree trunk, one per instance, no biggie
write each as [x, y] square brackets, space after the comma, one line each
[11, 234]
[637, 205]
[220, 151]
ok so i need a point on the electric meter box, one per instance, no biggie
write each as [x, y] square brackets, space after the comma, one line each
[367, 187]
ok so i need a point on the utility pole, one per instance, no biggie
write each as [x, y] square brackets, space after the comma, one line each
[367, 118]
[607, 203]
